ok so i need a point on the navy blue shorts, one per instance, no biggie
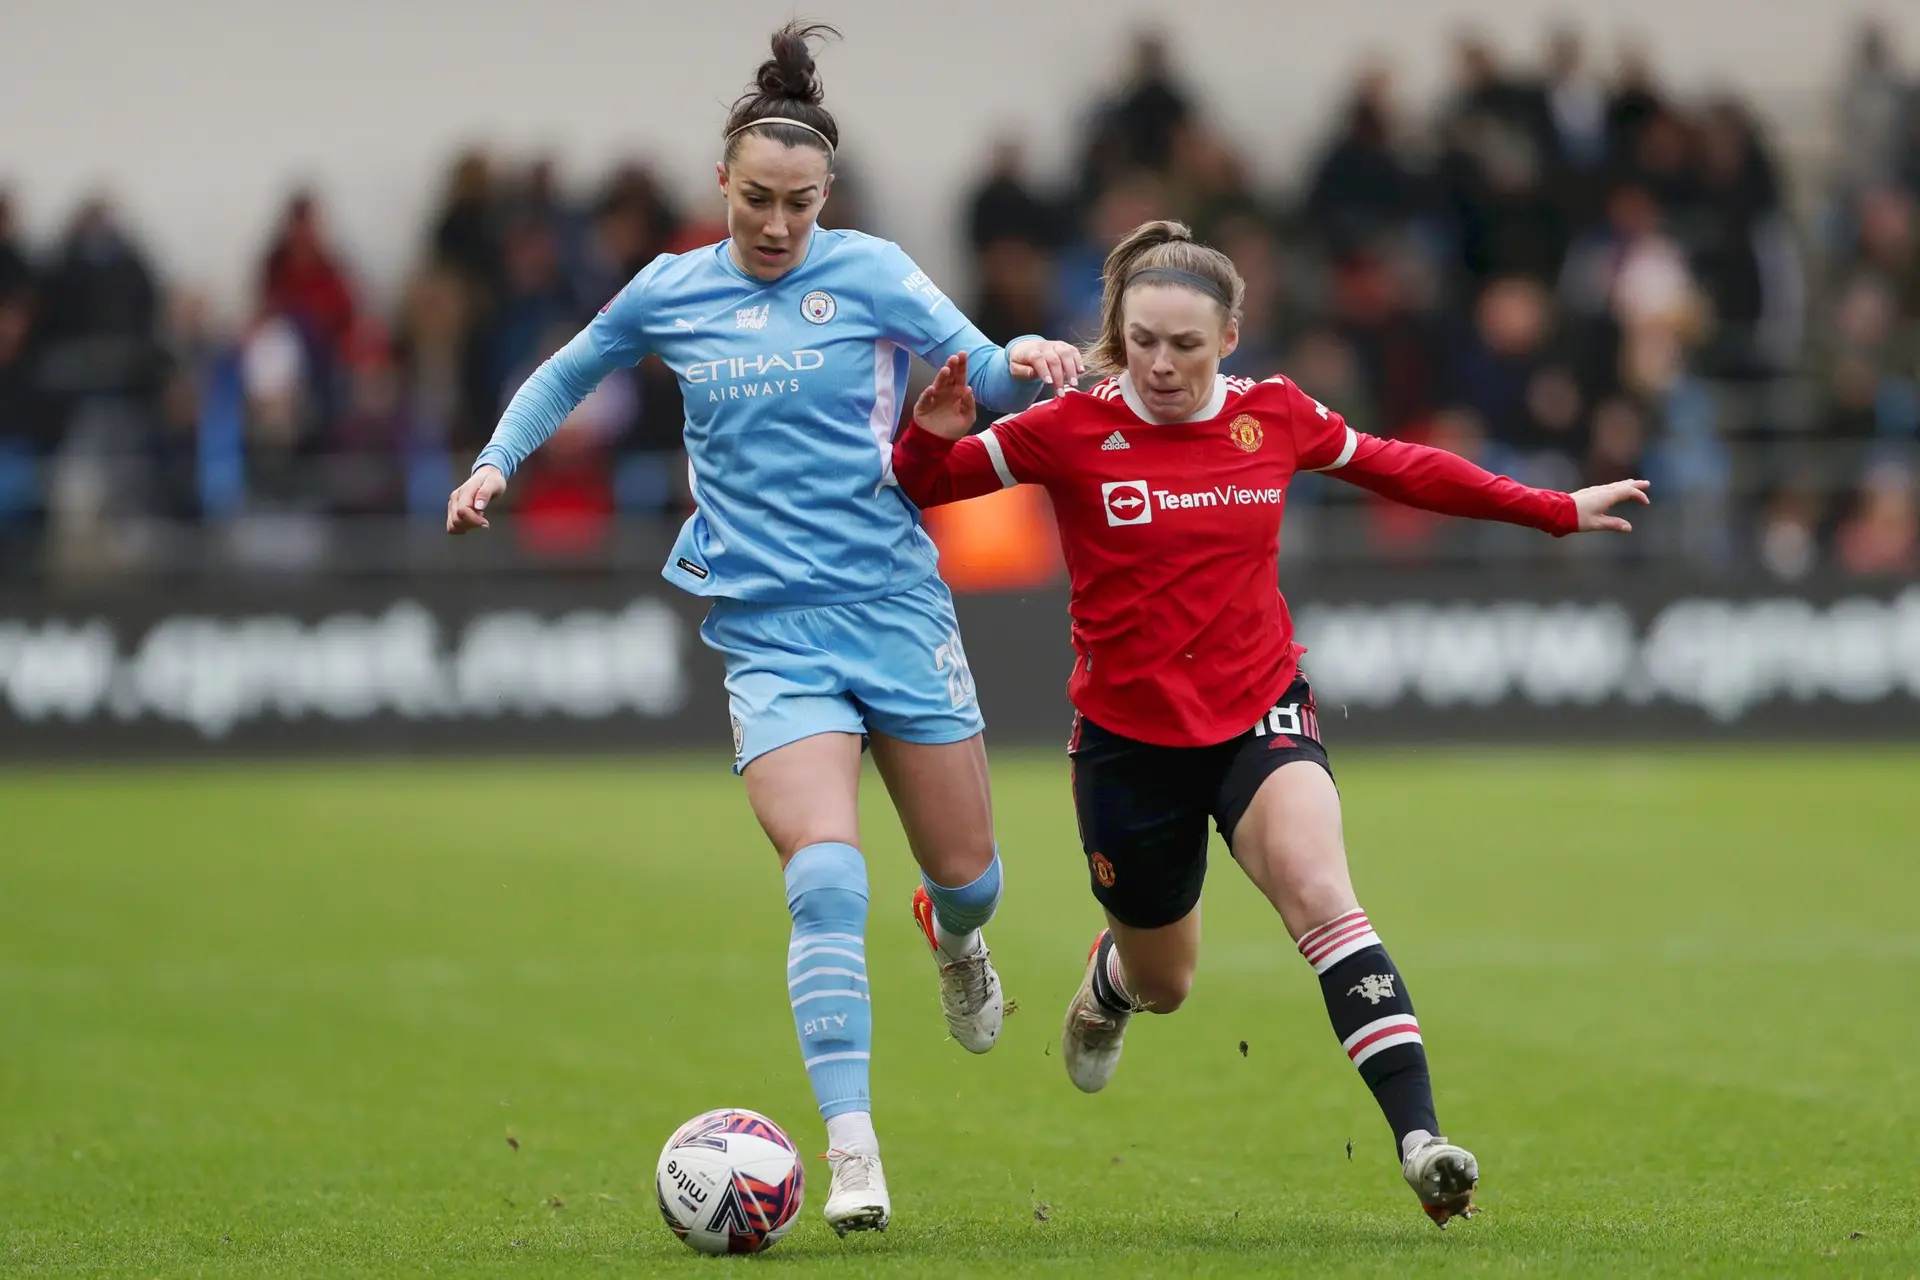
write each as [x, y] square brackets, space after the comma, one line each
[1143, 809]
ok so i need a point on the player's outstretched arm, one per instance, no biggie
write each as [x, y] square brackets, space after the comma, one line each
[1446, 483]
[616, 337]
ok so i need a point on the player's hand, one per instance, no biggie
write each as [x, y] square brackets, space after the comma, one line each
[1055, 363]
[946, 407]
[1593, 505]
[467, 506]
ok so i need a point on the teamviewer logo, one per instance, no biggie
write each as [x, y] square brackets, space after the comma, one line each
[1127, 502]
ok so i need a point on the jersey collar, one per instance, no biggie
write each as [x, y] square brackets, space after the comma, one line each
[1208, 411]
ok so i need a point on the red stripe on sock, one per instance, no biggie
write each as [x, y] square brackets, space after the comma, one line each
[1313, 936]
[1394, 1030]
[1326, 947]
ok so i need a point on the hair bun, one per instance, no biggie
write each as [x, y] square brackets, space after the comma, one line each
[790, 72]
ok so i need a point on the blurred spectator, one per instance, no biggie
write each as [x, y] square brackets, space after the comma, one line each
[16, 273]
[1877, 107]
[1006, 207]
[1741, 251]
[1248, 240]
[1788, 542]
[1882, 535]
[1138, 198]
[99, 305]
[1362, 189]
[25, 427]
[279, 418]
[1632, 282]
[1634, 102]
[534, 300]
[466, 236]
[1889, 253]
[847, 209]
[1576, 108]
[366, 446]
[1136, 129]
[1150, 112]
[302, 280]
[191, 345]
[1382, 302]
[1524, 395]
[1873, 365]
[565, 504]
[1207, 181]
[621, 238]
[1014, 299]
[1324, 365]
[1493, 173]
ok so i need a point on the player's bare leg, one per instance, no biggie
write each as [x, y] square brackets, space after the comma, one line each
[807, 792]
[1129, 971]
[806, 795]
[1291, 844]
[945, 804]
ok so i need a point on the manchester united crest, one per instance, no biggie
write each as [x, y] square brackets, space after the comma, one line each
[1102, 870]
[1245, 431]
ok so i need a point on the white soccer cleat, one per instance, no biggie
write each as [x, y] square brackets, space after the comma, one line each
[857, 1200]
[969, 987]
[1091, 1038]
[1442, 1175]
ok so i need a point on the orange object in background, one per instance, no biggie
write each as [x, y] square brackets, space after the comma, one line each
[1001, 542]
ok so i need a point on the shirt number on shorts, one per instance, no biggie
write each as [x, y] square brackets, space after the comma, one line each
[951, 660]
[1291, 719]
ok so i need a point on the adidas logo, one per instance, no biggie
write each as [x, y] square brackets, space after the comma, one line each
[1114, 441]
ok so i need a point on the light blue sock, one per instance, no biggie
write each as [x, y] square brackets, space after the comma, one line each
[827, 973]
[960, 911]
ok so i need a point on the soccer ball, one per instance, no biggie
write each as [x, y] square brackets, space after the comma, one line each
[730, 1181]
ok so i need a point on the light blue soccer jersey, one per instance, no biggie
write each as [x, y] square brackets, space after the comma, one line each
[793, 391]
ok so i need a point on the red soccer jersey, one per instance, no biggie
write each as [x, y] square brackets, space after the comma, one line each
[1171, 534]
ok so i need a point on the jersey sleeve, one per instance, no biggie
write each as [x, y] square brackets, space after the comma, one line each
[910, 308]
[615, 338]
[1322, 439]
[619, 332]
[1436, 480]
[933, 471]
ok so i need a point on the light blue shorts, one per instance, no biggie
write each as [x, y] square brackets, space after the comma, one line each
[892, 666]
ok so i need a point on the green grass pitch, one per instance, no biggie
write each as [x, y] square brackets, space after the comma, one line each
[294, 1021]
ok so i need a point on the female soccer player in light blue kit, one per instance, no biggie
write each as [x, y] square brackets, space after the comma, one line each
[792, 347]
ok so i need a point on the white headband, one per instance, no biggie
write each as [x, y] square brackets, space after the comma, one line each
[798, 124]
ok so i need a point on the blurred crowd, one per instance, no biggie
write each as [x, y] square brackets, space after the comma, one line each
[1568, 274]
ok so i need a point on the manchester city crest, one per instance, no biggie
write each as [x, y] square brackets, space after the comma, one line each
[818, 307]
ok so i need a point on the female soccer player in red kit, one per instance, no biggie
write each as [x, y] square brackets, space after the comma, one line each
[1168, 482]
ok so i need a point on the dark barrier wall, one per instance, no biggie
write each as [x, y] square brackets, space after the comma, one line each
[521, 663]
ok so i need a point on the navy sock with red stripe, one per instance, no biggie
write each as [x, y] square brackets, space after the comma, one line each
[1371, 1013]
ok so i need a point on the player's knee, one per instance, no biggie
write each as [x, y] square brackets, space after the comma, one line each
[1308, 883]
[1318, 899]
